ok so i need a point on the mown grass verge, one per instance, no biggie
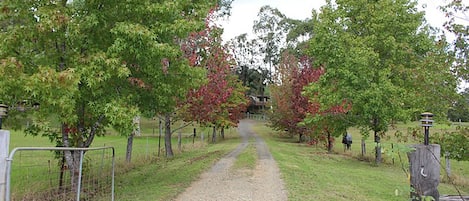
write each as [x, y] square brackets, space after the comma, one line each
[164, 179]
[247, 159]
[310, 173]
[149, 177]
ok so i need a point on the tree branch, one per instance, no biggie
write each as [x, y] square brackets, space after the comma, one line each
[93, 131]
[183, 126]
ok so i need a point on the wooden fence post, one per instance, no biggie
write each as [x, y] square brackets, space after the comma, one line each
[424, 164]
[179, 140]
[4, 149]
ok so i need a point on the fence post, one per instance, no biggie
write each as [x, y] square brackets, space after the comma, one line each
[4, 149]
[179, 140]
[80, 174]
[448, 165]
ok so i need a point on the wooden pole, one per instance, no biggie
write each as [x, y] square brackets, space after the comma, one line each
[424, 164]
[193, 136]
[4, 149]
[179, 140]
[448, 165]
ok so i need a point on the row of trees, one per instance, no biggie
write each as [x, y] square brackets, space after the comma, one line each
[384, 60]
[90, 65]
[359, 63]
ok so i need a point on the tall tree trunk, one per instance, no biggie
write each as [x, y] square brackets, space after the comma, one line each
[222, 132]
[72, 158]
[214, 134]
[61, 175]
[159, 138]
[128, 153]
[377, 149]
[167, 136]
[329, 142]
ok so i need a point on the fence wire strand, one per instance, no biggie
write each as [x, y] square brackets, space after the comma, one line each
[43, 174]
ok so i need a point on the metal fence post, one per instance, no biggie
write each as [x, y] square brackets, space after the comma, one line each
[79, 175]
[4, 146]
[113, 173]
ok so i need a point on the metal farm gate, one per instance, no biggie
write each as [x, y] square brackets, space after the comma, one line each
[42, 173]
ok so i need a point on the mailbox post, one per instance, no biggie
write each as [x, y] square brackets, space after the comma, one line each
[424, 162]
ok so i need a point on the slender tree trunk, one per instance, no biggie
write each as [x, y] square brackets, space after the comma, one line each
[130, 141]
[159, 138]
[72, 158]
[363, 145]
[329, 142]
[73, 162]
[167, 136]
[222, 132]
[214, 134]
[378, 149]
[193, 136]
[61, 175]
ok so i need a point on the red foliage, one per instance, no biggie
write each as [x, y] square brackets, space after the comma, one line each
[290, 105]
[137, 82]
[302, 75]
[210, 103]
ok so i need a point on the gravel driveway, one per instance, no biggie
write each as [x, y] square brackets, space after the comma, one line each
[222, 183]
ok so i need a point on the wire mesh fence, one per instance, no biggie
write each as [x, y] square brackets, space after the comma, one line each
[39, 173]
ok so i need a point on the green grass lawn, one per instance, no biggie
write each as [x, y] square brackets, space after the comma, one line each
[309, 172]
[165, 178]
[148, 177]
[312, 174]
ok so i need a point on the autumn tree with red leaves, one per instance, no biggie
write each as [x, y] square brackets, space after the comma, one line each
[220, 102]
[289, 106]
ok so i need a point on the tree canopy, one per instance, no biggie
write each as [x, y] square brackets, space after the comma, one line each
[380, 57]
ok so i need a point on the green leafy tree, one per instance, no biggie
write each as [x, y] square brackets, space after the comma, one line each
[453, 143]
[93, 64]
[457, 24]
[248, 69]
[381, 59]
[460, 108]
[271, 32]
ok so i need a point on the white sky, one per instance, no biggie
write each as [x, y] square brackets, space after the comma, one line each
[244, 12]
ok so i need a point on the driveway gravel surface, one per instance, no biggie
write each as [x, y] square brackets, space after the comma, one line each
[222, 182]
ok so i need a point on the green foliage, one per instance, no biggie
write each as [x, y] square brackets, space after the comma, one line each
[381, 59]
[336, 176]
[95, 64]
[270, 31]
[455, 143]
[456, 24]
[460, 108]
[247, 159]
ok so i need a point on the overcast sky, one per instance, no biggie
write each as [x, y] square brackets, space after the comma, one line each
[244, 12]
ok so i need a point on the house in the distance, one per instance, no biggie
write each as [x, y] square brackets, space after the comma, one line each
[257, 104]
